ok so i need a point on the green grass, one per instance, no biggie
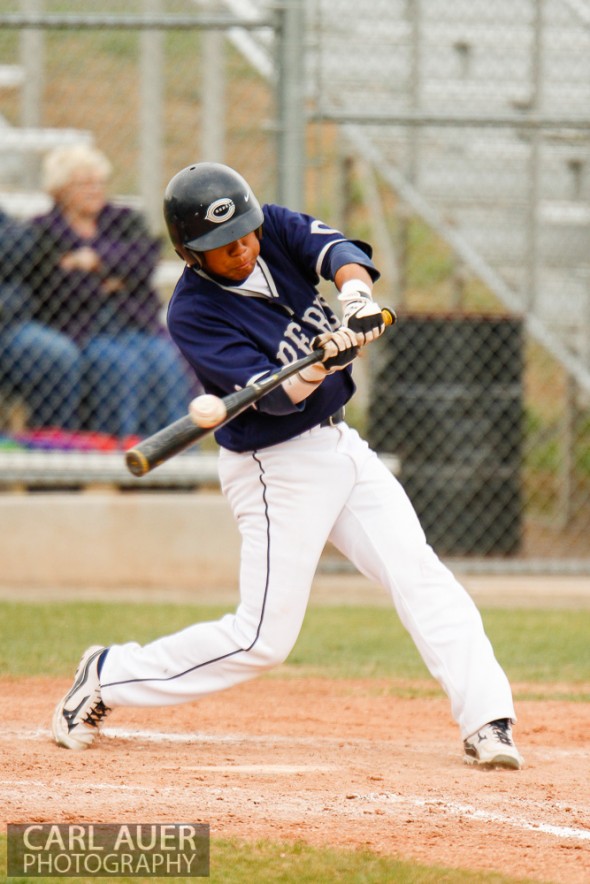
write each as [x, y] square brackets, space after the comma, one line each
[264, 862]
[547, 649]
[44, 639]
[541, 647]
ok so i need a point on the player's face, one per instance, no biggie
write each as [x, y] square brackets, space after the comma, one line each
[235, 260]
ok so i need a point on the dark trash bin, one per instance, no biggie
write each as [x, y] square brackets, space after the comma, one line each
[447, 399]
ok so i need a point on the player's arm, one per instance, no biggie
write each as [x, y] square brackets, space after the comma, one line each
[353, 273]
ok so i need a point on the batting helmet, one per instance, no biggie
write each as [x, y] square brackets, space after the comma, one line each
[208, 205]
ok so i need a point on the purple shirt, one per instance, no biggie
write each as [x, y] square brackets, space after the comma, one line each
[76, 302]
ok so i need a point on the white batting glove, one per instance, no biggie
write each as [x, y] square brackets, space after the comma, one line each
[361, 313]
[340, 348]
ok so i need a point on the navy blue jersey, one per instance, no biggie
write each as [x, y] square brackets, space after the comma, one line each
[232, 334]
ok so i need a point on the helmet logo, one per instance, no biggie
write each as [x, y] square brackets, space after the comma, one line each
[220, 210]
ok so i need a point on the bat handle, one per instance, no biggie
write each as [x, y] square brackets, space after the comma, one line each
[389, 316]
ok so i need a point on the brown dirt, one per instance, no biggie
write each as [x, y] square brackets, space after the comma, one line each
[339, 763]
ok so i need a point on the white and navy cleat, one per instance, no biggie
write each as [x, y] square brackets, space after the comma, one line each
[492, 746]
[78, 716]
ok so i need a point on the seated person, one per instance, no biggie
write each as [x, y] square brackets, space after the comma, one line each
[38, 364]
[91, 279]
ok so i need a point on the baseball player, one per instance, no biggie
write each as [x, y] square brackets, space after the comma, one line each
[294, 473]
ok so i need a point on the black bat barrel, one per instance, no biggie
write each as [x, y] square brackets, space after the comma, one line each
[162, 445]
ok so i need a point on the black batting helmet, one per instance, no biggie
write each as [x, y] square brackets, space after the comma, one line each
[208, 205]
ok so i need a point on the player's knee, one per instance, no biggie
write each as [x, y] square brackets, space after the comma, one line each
[266, 656]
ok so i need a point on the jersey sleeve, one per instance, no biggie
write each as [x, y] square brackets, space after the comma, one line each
[315, 246]
[349, 252]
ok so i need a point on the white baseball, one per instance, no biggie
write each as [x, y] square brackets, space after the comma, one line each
[207, 410]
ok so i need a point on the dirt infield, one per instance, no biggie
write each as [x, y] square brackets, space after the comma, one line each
[339, 763]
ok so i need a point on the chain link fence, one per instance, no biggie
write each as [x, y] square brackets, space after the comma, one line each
[463, 144]
[454, 137]
[100, 106]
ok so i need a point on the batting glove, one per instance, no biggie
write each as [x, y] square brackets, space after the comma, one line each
[340, 348]
[361, 313]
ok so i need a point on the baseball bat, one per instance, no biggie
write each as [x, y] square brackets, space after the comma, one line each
[183, 433]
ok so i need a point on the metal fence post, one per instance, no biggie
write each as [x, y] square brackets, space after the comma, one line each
[536, 102]
[290, 68]
[214, 96]
[150, 160]
[32, 50]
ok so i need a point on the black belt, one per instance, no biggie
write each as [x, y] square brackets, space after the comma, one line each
[334, 419]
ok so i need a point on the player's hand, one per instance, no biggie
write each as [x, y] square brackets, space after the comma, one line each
[340, 348]
[365, 319]
[361, 313]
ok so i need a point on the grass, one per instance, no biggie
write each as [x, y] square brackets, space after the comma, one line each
[235, 862]
[543, 647]
[344, 642]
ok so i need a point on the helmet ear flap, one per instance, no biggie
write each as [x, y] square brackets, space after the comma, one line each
[190, 257]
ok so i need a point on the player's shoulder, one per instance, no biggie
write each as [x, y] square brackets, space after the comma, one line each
[295, 231]
[185, 290]
[195, 297]
[276, 216]
[281, 215]
[301, 224]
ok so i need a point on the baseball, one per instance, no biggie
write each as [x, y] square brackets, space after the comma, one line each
[207, 411]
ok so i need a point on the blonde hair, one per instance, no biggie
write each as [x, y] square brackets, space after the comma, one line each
[61, 165]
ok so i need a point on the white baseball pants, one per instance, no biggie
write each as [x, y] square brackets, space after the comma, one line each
[288, 501]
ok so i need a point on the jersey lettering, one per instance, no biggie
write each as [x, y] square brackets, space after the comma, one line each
[315, 316]
[294, 333]
[287, 353]
[294, 345]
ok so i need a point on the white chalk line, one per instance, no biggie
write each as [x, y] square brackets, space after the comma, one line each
[451, 808]
[411, 802]
[148, 736]
[267, 769]
[467, 811]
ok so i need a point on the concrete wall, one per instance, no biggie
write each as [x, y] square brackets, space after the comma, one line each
[117, 539]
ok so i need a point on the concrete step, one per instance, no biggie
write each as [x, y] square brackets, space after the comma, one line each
[112, 540]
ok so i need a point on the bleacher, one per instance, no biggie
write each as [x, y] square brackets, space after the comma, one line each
[37, 469]
[482, 178]
[473, 61]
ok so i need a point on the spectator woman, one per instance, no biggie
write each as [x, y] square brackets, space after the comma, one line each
[38, 365]
[92, 280]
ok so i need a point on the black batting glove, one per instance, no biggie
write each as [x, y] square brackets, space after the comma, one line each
[340, 348]
[365, 319]
[361, 313]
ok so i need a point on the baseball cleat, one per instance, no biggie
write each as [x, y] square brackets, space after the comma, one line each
[493, 746]
[78, 715]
